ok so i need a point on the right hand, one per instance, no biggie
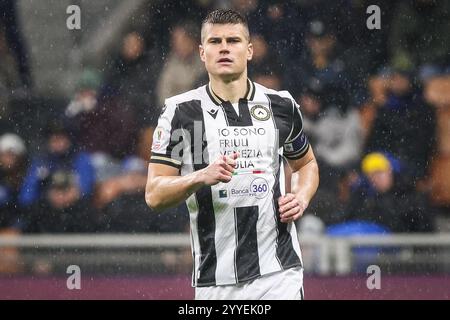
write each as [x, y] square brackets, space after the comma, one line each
[220, 170]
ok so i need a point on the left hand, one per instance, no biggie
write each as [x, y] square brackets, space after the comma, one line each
[291, 208]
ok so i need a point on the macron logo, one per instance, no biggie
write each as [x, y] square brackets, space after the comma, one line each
[213, 113]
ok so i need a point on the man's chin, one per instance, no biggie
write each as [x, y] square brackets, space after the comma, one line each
[228, 75]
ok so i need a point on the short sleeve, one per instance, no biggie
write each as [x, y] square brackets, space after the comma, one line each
[167, 139]
[297, 144]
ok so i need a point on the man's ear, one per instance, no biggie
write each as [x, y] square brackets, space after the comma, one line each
[250, 52]
[201, 50]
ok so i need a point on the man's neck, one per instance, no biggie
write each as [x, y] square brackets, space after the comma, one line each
[231, 90]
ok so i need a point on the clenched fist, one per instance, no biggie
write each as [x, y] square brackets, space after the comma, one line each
[220, 170]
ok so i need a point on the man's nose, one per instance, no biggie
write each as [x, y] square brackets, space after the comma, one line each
[224, 46]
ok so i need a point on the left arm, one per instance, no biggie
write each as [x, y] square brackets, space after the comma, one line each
[305, 180]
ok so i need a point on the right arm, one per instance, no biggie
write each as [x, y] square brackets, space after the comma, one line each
[165, 188]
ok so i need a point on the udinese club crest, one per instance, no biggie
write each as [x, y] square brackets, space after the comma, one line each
[260, 112]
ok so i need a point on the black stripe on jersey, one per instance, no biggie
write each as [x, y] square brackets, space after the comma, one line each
[251, 91]
[297, 124]
[206, 227]
[285, 251]
[243, 119]
[246, 255]
[190, 112]
[168, 158]
[282, 115]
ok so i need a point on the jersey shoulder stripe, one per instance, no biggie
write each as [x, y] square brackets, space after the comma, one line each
[185, 96]
[282, 93]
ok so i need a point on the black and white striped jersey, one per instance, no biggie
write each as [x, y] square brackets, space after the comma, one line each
[236, 233]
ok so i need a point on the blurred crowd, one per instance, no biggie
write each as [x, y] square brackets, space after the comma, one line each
[375, 105]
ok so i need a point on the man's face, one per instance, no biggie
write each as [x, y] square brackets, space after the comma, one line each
[310, 105]
[133, 46]
[400, 84]
[382, 181]
[182, 44]
[225, 50]
[321, 45]
[59, 143]
[8, 160]
[61, 198]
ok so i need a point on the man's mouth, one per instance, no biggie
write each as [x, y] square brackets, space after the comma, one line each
[225, 60]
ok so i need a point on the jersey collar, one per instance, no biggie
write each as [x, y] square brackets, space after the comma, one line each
[249, 95]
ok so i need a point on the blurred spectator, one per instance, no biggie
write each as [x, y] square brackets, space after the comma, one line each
[382, 197]
[283, 27]
[419, 33]
[183, 68]
[377, 90]
[366, 49]
[404, 125]
[253, 11]
[319, 76]
[9, 76]
[86, 96]
[362, 52]
[12, 171]
[334, 129]
[336, 16]
[12, 216]
[264, 68]
[60, 154]
[264, 60]
[271, 20]
[121, 194]
[320, 63]
[123, 208]
[134, 74]
[437, 93]
[102, 121]
[164, 15]
[62, 209]
[8, 18]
